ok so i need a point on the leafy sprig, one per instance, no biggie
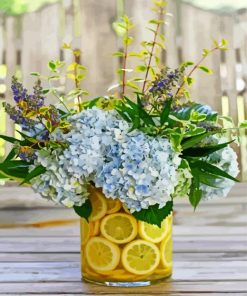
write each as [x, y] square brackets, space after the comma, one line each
[187, 79]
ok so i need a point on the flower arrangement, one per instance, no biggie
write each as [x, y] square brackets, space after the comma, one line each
[144, 147]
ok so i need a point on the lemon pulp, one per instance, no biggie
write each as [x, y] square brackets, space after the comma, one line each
[119, 228]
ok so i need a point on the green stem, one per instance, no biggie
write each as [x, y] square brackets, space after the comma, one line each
[152, 50]
[125, 63]
[77, 82]
[54, 92]
[194, 68]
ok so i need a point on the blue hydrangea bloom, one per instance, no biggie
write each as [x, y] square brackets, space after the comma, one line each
[136, 168]
[226, 160]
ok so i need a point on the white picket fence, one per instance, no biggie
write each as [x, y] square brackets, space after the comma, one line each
[28, 42]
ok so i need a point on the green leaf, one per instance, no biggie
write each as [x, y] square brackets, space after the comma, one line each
[165, 112]
[135, 123]
[206, 178]
[132, 85]
[206, 69]
[205, 52]
[39, 170]
[204, 151]
[46, 91]
[2, 176]
[9, 139]
[195, 194]
[155, 22]
[54, 77]
[224, 42]
[186, 64]
[84, 210]
[14, 169]
[66, 46]
[119, 28]
[160, 44]
[118, 54]
[154, 215]
[123, 115]
[37, 74]
[207, 167]
[188, 80]
[140, 68]
[195, 140]
[127, 40]
[80, 67]
[11, 155]
[80, 76]
[142, 113]
[243, 124]
[196, 116]
[162, 37]
[185, 111]
[193, 131]
[52, 66]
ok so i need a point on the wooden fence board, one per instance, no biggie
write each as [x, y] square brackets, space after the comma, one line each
[31, 47]
[11, 63]
[171, 35]
[2, 43]
[196, 34]
[98, 42]
[230, 63]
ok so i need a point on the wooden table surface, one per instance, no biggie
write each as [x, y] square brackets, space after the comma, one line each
[39, 250]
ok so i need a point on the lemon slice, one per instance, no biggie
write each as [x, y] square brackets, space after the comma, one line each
[91, 273]
[110, 273]
[126, 276]
[164, 272]
[153, 233]
[101, 254]
[95, 228]
[99, 206]
[140, 257]
[113, 205]
[119, 228]
[166, 252]
[85, 231]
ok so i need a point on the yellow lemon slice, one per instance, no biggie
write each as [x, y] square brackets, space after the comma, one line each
[113, 205]
[95, 228]
[111, 272]
[153, 233]
[140, 257]
[85, 231]
[164, 272]
[91, 273]
[99, 206]
[122, 277]
[101, 254]
[166, 252]
[119, 228]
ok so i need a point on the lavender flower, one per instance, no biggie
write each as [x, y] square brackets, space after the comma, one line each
[165, 82]
[26, 153]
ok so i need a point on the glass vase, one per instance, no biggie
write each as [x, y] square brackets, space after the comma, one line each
[118, 250]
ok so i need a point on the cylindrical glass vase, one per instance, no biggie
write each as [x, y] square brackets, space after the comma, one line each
[118, 250]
